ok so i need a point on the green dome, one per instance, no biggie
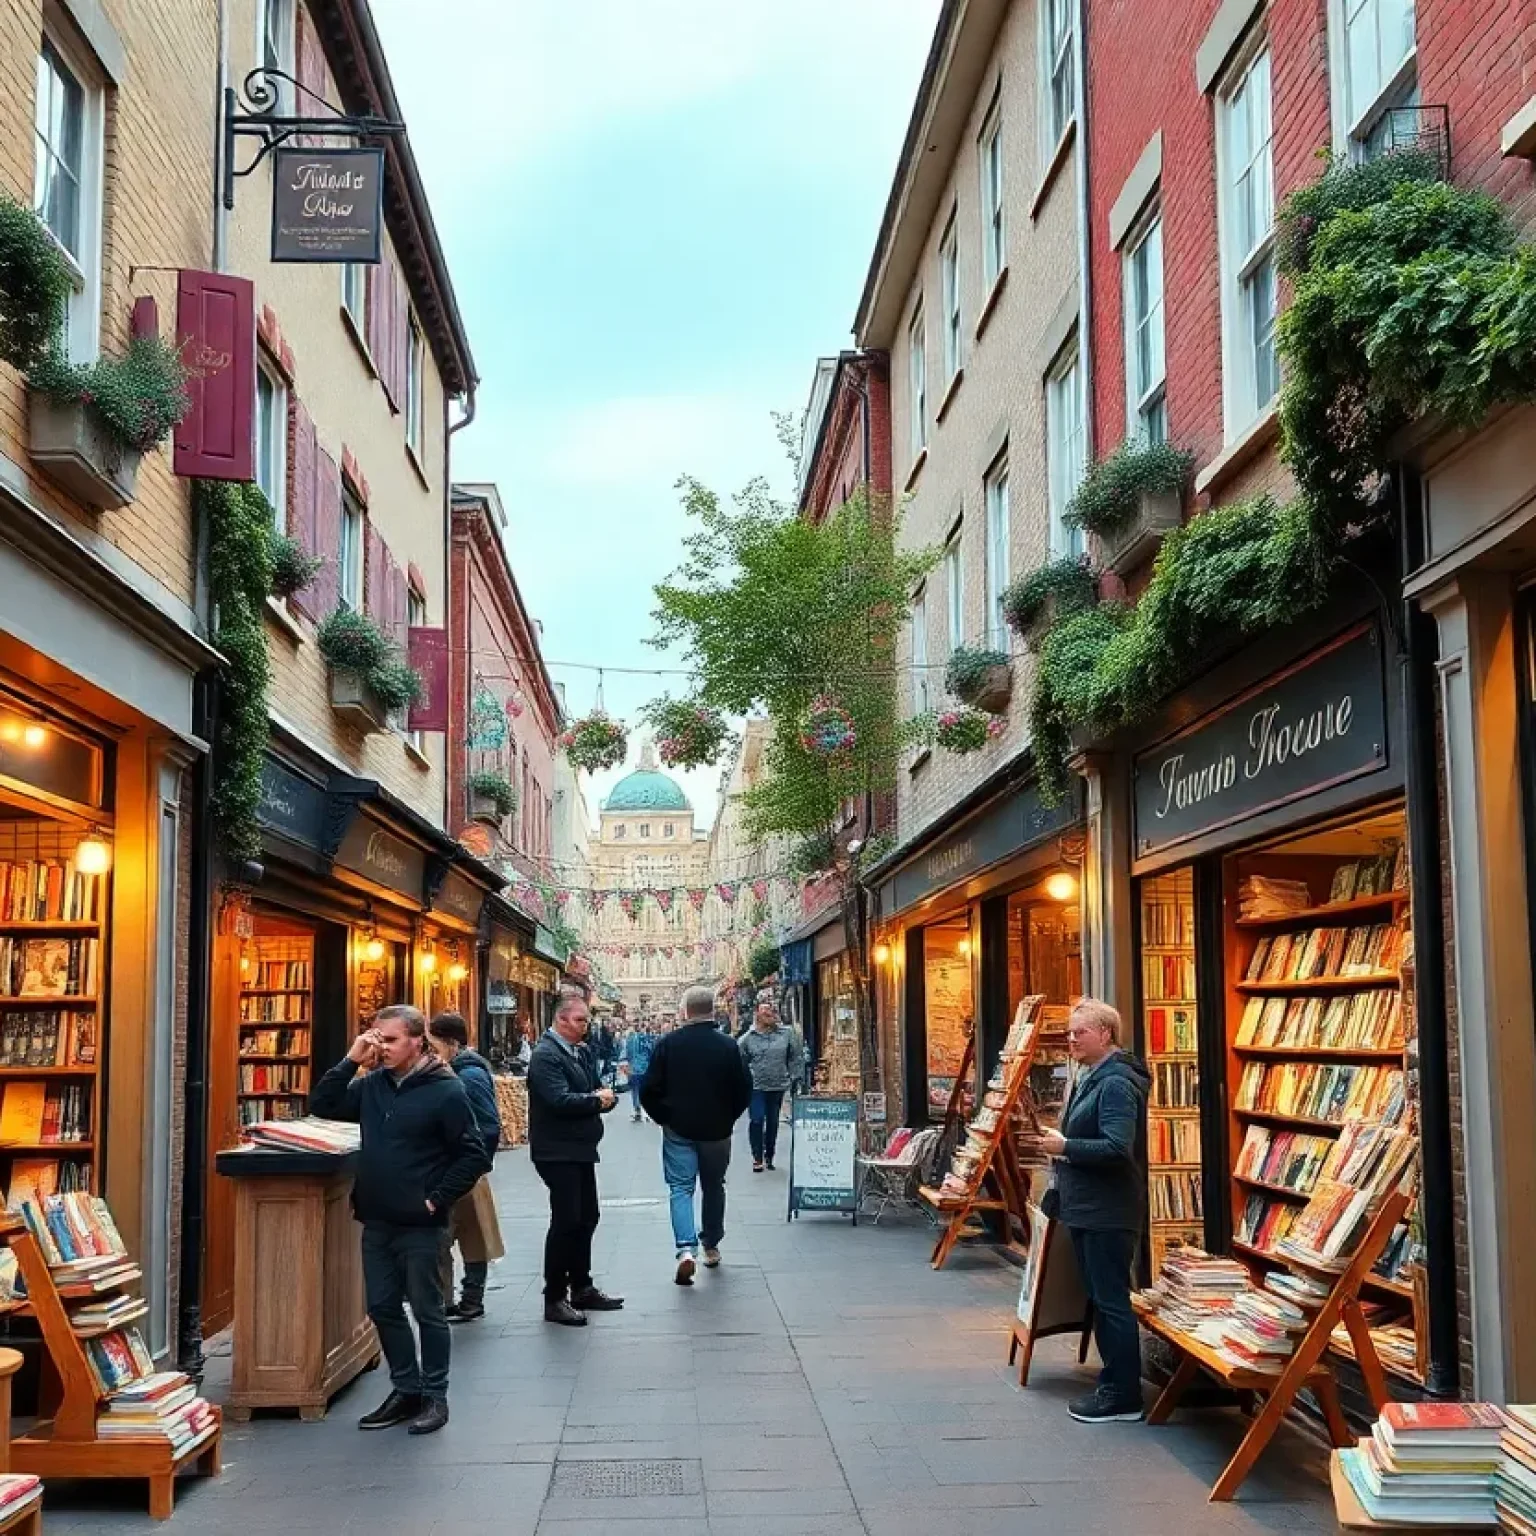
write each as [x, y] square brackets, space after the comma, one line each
[646, 789]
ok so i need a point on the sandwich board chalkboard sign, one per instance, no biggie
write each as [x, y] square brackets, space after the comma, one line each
[824, 1141]
[1051, 1295]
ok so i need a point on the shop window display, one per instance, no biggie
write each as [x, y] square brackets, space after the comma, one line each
[838, 1066]
[949, 1006]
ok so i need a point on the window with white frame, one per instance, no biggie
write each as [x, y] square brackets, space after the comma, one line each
[954, 593]
[349, 557]
[949, 283]
[1145, 363]
[415, 360]
[921, 694]
[275, 24]
[999, 557]
[67, 183]
[272, 440]
[1246, 206]
[1065, 449]
[994, 233]
[1059, 86]
[354, 294]
[917, 381]
[1373, 70]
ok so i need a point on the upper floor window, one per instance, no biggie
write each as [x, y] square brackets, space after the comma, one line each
[67, 184]
[954, 593]
[620, 831]
[999, 552]
[1064, 448]
[669, 830]
[949, 276]
[645, 829]
[349, 557]
[917, 381]
[920, 682]
[354, 294]
[1246, 208]
[1145, 363]
[414, 361]
[275, 23]
[1059, 86]
[272, 439]
[994, 238]
[1373, 70]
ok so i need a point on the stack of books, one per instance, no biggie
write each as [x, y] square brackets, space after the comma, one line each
[1303, 1291]
[18, 1491]
[305, 1133]
[1515, 1486]
[162, 1405]
[1260, 1331]
[1430, 1464]
[1263, 896]
[1194, 1292]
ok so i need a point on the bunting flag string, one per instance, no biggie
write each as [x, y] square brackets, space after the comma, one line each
[663, 899]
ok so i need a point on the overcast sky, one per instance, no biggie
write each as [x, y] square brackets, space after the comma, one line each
[658, 214]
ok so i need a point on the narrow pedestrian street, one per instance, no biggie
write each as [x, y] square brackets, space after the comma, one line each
[823, 1382]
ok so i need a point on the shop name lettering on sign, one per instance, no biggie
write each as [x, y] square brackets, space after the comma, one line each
[948, 860]
[380, 855]
[322, 189]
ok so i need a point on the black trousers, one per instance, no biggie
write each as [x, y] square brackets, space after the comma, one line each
[400, 1264]
[1104, 1261]
[573, 1218]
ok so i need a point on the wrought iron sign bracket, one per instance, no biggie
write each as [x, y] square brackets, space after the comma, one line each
[262, 89]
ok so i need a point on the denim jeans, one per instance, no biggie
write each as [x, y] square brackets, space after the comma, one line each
[1104, 1261]
[635, 1085]
[400, 1264]
[763, 1122]
[685, 1163]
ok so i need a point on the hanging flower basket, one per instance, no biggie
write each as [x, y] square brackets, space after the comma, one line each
[688, 735]
[517, 702]
[828, 729]
[595, 742]
[980, 677]
[963, 731]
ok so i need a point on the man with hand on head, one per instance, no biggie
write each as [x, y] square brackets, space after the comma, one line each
[566, 1103]
[421, 1151]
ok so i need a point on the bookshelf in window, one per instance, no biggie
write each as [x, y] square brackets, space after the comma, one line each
[52, 976]
[277, 973]
[1318, 953]
[1170, 1038]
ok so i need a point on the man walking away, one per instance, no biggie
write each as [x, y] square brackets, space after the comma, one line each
[421, 1151]
[1099, 1195]
[695, 1090]
[638, 1050]
[473, 1224]
[566, 1103]
[775, 1060]
[602, 1046]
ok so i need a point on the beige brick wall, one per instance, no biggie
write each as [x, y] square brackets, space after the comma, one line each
[158, 212]
[1001, 393]
[336, 383]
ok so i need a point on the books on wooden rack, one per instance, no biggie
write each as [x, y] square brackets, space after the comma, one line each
[1369, 1162]
[1329, 1091]
[18, 1490]
[305, 1133]
[48, 967]
[1263, 1222]
[1326, 953]
[164, 1404]
[1175, 1085]
[1168, 977]
[1171, 1028]
[1360, 1021]
[1194, 1291]
[1287, 1159]
[283, 973]
[76, 1234]
[1173, 1141]
[46, 1037]
[1261, 1329]
[1432, 1464]
[1392, 1337]
[274, 1008]
[275, 1042]
[1515, 1484]
[1265, 896]
[1175, 1194]
[36, 1113]
[34, 1177]
[48, 891]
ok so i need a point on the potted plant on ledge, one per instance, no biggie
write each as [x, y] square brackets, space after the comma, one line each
[369, 680]
[980, 677]
[491, 797]
[1131, 500]
[1035, 603]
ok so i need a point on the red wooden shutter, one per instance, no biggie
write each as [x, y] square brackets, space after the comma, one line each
[399, 605]
[301, 498]
[328, 531]
[216, 335]
[375, 586]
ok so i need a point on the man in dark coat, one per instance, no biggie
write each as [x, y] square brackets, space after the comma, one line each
[1099, 1195]
[421, 1151]
[566, 1103]
[473, 1226]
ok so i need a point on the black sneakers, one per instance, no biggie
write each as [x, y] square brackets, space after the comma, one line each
[397, 1408]
[1103, 1407]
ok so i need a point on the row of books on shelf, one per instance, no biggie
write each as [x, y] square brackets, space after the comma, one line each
[278, 973]
[75, 1232]
[1171, 1029]
[32, 1178]
[275, 1008]
[1167, 977]
[33, 1113]
[254, 1110]
[47, 1037]
[1264, 896]
[48, 891]
[1290, 1159]
[48, 967]
[1264, 1221]
[1369, 1164]
[1168, 924]
[1313, 954]
[275, 1042]
[283, 1077]
[1313, 1090]
[1175, 1085]
[1173, 1141]
[1369, 1020]
[1175, 1195]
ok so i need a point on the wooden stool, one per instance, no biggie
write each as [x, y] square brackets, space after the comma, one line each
[28, 1520]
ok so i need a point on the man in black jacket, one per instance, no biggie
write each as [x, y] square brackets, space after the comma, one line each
[566, 1103]
[696, 1088]
[1099, 1195]
[421, 1151]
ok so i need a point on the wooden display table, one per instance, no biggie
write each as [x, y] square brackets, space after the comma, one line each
[302, 1330]
[28, 1520]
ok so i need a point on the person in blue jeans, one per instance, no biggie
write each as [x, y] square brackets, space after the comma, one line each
[638, 1049]
[695, 1089]
[775, 1061]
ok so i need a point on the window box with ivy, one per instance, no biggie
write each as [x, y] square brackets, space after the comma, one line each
[491, 798]
[1131, 501]
[75, 451]
[1036, 603]
[980, 677]
[370, 684]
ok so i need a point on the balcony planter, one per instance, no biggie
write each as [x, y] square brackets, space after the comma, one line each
[484, 808]
[77, 453]
[1135, 542]
[994, 690]
[981, 677]
[355, 701]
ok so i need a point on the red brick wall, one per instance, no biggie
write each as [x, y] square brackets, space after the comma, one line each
[838, 470]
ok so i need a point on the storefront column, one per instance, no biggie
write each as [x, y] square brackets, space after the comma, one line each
[1493, 972]
[1108, 958]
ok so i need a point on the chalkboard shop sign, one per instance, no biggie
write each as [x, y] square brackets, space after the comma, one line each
[1322, 723]
[823, 1144]
[327, 204]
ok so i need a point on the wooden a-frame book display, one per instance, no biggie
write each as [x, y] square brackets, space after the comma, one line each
[995, 1182]
[1051, 1295]
[67, 1445]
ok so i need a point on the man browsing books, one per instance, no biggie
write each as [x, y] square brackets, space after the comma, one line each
[421, 1151]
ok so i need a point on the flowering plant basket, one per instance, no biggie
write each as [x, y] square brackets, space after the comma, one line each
[688, 735]
[595, 742]
[827, 729]
[966, 730]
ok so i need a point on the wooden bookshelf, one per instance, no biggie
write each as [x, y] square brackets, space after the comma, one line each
[277, 979]
[1356, 906]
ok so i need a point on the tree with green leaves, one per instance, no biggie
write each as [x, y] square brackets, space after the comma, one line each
[800, 620]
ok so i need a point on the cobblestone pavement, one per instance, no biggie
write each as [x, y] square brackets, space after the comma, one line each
[823, 1382]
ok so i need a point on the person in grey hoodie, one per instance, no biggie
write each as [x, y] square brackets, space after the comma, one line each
[1099, 1195]
[775, 1060]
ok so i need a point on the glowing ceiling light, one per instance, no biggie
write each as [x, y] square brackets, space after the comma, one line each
[1061, 886]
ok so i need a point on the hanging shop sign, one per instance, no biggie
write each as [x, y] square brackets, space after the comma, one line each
[291, 805]
[327, 204]
[1322, 723]
[460, 898]
[378, 855]
[823, 1143]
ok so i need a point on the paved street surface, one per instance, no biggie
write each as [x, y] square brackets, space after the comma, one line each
[824, 1382]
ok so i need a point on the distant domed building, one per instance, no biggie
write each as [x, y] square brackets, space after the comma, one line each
[646, 841]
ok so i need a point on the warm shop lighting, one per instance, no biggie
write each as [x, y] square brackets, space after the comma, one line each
[93, 855]
[1061, 886]
[457, 973]
[882, 953]
[245, 965]
[428, 961]
[965, 947]
[10, 730]
[373, 950]
[33, 736]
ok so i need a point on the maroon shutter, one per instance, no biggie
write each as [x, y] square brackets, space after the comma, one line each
[402, 338]
[309, 70]
[216, 336]
[328, 531]
[399, 605]
[375, 587]
[301, 499]
[428, 653]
